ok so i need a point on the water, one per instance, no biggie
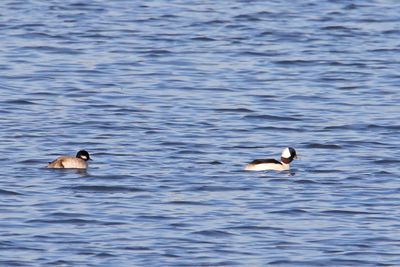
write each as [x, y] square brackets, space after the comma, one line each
[172, 99]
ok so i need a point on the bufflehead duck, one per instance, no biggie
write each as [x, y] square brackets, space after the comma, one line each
[288, 154]
[70, 162]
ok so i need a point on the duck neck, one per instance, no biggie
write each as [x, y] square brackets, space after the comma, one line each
[285, 166]
[286, 161]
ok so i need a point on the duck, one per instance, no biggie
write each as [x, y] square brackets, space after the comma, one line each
[71, 162]
[287, 156]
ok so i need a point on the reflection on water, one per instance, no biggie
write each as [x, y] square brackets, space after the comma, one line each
[82, 172]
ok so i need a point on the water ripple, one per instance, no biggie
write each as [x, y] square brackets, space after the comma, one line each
[213, 233]
[8, 192]
[271, 117]
[102, 189]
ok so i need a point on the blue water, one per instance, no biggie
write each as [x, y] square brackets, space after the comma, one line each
[172, 99]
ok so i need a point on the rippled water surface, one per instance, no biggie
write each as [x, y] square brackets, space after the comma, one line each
[172, 99]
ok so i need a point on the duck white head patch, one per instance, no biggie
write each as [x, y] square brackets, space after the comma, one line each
[286, 153]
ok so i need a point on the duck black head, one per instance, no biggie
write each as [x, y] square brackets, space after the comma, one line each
[288, 155]
[83, 154]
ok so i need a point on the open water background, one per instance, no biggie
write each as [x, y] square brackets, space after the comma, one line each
[172, 99]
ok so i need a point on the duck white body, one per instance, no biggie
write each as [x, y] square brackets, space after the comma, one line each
[278, 166]
[288, 154]
[70, 162]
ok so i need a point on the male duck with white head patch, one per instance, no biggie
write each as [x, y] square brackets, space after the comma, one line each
[70, 162]
[288, 155]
